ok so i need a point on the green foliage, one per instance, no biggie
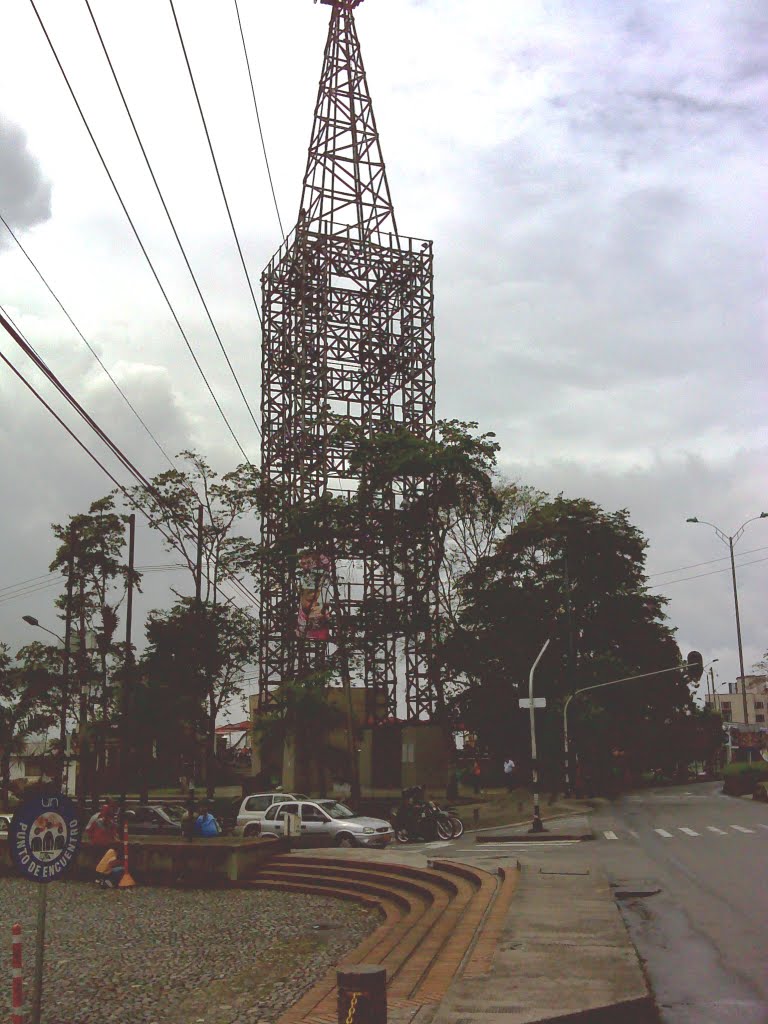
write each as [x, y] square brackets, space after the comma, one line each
[22, 715]
[518, 597]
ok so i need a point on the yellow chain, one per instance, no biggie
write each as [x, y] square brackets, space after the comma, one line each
[352, 1007]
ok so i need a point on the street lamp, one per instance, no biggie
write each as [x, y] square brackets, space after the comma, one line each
[730, 541]
[33, 622]
[598, 686]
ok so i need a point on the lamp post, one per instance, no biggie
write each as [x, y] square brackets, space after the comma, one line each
[536, 825]
[730, 540]
[598, 686]
[65, 642]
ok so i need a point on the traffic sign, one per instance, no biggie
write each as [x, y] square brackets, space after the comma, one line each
[538, 702]
[44, 837]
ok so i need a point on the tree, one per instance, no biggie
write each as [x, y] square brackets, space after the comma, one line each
[194, 665]
[566, 556]
[172, 507]
[22, 715]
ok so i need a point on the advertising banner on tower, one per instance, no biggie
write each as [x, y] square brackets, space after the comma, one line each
[312, 579]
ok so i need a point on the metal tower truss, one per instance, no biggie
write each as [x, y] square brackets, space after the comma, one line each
[348, 332]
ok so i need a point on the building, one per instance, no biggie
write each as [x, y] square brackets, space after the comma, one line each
[731, 704]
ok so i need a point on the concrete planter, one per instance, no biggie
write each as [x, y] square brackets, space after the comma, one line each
[168, 861]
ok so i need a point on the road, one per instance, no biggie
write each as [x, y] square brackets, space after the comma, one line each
[702, 935]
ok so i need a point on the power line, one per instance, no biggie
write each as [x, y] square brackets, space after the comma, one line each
[136, 233]
[215, 164]
[122, 458]
[258, 121]
[698, 576]
[168, 215]
[710, 561]
[86, 342]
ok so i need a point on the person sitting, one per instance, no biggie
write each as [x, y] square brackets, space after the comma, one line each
[102, 828]
[206, 825]
[109, 871]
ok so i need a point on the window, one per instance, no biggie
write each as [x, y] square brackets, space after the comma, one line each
[311, 813]
[725, 705]
[759, 704]
[726, 715]
[258, 803]
[337, 810]
[283, 809]
[271, 813]
[759, 718]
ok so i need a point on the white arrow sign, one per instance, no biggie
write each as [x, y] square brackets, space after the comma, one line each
[538, 702]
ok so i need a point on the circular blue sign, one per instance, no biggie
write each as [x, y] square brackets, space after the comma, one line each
[44, 837]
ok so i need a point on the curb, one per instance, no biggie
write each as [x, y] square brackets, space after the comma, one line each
[536, 837]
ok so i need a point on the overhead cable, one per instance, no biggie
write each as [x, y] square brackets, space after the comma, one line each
[215, 164]
[136, 233]
[258, 121]
[168, 215]
[145, 484]
[85, 340]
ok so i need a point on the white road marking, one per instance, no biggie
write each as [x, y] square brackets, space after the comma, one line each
[740, 828]
[719, 831]
[764, 826]
[436, 846]
[610, 835]
[528, 845]
[690, 832]
[633, 833]
[665, 835]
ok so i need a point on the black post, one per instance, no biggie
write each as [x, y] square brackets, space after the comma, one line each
[127, 716]
[199, 565]
[65, 664]
[362, 995]
[738, 634]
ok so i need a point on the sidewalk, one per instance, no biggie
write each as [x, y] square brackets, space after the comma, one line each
[564, 955]
[558, 828]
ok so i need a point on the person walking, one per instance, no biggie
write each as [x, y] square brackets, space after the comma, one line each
[509, 774]
[476, 771]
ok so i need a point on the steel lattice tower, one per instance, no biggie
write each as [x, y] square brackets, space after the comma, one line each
[348, 330]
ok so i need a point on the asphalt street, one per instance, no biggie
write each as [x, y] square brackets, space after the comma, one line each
[689, 867]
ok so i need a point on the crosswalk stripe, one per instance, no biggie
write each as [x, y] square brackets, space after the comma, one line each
[719, 831]
[690, 832]
[633, 833]
[610, 835]
[739, 828]
[666, 835]
[764, 826]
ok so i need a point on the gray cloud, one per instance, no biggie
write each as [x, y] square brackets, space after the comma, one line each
[25, 195]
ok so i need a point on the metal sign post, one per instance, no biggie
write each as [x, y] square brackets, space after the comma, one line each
[44, 837]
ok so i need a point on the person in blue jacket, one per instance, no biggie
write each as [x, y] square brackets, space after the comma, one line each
[206, 825]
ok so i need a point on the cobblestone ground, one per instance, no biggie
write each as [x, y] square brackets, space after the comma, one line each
[167, 956]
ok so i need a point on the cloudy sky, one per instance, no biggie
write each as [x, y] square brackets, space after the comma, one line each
[592, 174]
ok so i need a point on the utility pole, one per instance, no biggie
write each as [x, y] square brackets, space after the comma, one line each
[127, 720]
[65, 657]
[82, 676]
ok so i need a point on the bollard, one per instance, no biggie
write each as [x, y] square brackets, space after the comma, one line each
[362, 995]
[17, 984]
[127, 880]
[476, 818]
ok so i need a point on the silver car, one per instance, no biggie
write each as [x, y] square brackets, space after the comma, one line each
[328, 822]
[253, 808]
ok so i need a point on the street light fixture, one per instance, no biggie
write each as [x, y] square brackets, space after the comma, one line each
[33, 622]
[730, 540]
[599, 686]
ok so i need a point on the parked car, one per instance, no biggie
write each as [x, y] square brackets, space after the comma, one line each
[152, 820]
[254, 807]
[327, 822]
[5, 824]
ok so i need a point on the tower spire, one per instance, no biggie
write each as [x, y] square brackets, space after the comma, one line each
[345, 184]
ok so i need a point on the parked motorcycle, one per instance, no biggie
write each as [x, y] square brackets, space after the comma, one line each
[422, 821]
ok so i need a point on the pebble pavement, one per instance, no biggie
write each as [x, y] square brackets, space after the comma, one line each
[170, 956]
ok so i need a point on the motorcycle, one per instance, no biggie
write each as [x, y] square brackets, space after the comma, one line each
[424, 821]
